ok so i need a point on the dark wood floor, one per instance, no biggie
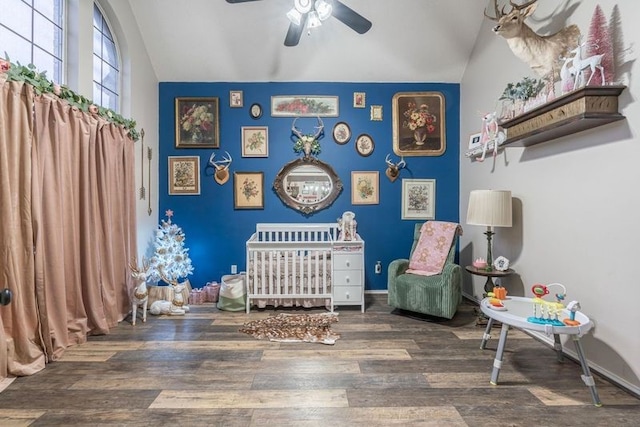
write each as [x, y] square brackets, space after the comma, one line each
[387, 369]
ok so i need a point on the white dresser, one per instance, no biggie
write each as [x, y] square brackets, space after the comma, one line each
[348, 272]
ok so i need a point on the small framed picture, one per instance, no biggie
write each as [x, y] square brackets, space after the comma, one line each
[255, 141]
[418, 198]
[197, 123]
[248, 190]
[376, 113]
[235, 99]
[341, 133]
[365, 188]
[474, 141]
[364, 145]
[359, 99]
[184, 175]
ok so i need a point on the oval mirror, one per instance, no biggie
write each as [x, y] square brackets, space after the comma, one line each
[307, 185]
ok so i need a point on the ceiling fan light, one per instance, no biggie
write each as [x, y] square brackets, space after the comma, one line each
[313, 21]
[294, 16]
[324, 9]
[302, 6]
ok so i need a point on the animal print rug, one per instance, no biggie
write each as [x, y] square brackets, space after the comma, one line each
[313, 328]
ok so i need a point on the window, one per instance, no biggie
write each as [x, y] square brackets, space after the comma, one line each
[32, 34]
[105, 63]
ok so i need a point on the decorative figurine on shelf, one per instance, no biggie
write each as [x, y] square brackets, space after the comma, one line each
[347, 226]
[501, 263]
[546, 312]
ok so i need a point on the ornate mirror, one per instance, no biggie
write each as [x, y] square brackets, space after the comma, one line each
[307, 185]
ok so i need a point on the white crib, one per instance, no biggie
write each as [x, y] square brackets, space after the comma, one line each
[290, 265]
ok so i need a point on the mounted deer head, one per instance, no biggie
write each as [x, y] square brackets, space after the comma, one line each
[393, 169]
[221, 174]
[541, 53]
[309, 143]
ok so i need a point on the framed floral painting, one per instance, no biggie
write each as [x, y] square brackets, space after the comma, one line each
[184, 175]
[418, 123]
[365, 188]
[255, 141]
[304, 106]
[418, 198]
[197, 123]
[248, 190]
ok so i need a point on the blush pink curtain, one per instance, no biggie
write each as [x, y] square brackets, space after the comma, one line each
[77, 213]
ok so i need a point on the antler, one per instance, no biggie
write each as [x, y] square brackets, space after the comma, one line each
[398, 165]
[220, 164]
[295, 130]
[521, 6]
[299, 134]
[165, 278]
[497, 11]
[320, 128]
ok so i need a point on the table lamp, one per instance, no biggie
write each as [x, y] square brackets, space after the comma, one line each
[491, 208]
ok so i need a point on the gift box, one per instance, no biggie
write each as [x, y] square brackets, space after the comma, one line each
[211, 292]
[196, 297]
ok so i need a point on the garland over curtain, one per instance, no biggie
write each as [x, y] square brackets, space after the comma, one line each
[67, 215]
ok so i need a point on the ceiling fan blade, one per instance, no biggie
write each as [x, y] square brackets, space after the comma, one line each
[295, 32]
[239, 1]
[350, 17]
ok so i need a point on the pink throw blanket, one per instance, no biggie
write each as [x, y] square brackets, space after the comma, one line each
[433, 247]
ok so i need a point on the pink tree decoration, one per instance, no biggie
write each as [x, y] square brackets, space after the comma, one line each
[599, 42]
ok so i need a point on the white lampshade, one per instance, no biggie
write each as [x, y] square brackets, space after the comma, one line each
[490, 207]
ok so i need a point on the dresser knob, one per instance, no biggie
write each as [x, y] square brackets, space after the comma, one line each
[347, 279]
[348, 263]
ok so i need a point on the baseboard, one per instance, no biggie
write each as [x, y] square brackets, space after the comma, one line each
[610, 376]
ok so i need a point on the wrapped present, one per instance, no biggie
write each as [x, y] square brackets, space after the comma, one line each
[211, 291]
[196, 297]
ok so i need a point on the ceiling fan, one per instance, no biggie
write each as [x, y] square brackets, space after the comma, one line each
[310, 14]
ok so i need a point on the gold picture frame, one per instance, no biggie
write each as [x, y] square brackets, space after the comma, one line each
[359, 100]
[365, 188]
[248, 190]
[184, 175]
[197, 122]
[376, 113]
[419, 125]
[418, 199]
[255, 141]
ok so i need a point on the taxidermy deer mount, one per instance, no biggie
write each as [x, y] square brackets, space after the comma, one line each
[221, 173]
[393, 169]
[541, 53]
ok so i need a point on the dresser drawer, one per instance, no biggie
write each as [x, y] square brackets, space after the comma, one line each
[347, 261]
[347, 295]
[347, 278]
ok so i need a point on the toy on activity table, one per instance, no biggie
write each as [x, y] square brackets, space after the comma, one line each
[573, 307]
[546, 312]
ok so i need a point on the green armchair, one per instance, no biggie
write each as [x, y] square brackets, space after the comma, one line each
[438, 295]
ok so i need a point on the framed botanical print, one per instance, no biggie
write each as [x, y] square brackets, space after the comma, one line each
[364, 145]
[418, 198]
[376, 113]
[304, 106]
[341, 133]
[197, 123]
[365, 188]
[255, 141]
[248, 190]
[235, 99]
[418, 123]
[184, 175]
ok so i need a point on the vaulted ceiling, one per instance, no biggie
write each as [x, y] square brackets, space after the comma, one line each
[213, 40]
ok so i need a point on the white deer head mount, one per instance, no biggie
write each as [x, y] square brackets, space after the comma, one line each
[221, 173]
[307, 144]
[393, 169]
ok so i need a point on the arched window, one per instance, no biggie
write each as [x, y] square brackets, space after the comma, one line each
[31, 32]
[106, 65]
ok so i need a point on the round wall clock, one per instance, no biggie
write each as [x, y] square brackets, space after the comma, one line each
[364, 145]
[255, 111]
[341, 133]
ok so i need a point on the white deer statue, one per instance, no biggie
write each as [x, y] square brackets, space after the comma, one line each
[140, 296]
[175, 307]
[579, 65]
[541, 53]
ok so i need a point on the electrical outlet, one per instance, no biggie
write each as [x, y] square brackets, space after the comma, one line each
[378, 267]
[234, 269]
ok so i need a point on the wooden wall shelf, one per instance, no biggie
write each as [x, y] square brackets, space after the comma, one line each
[582, 109]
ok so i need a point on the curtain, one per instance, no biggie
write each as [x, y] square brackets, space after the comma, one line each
[78, 218]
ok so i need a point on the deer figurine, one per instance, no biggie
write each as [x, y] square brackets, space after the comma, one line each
[308, 140]
[140, 296]
[580, 64]
[393, 169]
[541, 53]
[221, 174]
[175, 307]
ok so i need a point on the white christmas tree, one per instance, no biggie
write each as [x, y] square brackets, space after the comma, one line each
[171, 258]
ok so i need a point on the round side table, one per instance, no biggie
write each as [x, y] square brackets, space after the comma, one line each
[488, 286]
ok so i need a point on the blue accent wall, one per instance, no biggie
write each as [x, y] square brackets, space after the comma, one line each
[216, 233]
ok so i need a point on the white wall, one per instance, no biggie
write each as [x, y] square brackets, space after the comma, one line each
[139, 93]
[574, 198]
